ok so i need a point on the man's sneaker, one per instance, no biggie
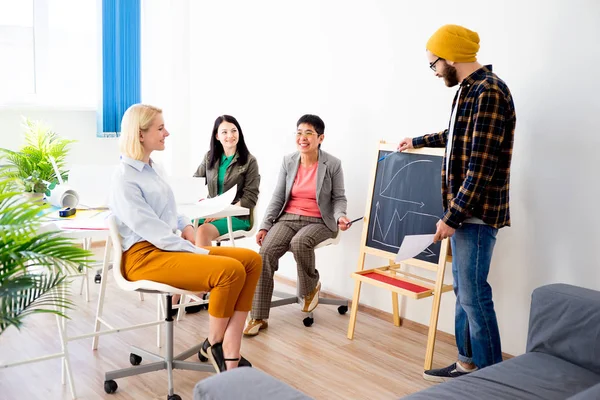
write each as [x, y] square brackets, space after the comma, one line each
[311, 300]
[255, 325]
[444, 374]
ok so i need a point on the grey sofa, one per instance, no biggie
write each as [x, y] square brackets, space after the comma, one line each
[562, 360]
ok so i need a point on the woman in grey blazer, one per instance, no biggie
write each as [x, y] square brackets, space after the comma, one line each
[308, 207]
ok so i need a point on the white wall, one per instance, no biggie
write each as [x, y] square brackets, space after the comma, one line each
[361, 66]
[77, 124]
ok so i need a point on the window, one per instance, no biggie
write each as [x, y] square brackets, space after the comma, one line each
[53, 50]
[16, 46]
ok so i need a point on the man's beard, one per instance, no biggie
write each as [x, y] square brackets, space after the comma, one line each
[450, 76]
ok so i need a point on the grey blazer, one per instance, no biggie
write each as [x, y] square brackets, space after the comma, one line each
[330, 190]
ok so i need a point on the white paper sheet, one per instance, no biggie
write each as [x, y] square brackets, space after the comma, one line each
[413, 245]
[208, 206]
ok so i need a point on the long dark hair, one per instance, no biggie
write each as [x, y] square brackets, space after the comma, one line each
[216, 148]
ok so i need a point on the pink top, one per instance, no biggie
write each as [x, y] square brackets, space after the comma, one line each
[303, 197]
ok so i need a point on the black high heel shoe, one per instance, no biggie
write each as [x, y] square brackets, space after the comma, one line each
[204, 351]
[217, 358]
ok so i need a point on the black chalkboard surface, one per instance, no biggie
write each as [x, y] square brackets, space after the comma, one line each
[406, 200]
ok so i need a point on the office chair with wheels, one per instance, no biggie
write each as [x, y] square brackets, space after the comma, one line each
[285, 298]
[168, 362]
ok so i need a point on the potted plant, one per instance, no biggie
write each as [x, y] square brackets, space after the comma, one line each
[30, 166]
[34, 265]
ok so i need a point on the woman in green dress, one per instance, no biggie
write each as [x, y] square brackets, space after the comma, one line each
[228, 163]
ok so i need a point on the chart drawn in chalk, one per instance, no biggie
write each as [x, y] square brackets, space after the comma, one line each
[381, 234]
[387, 190]
[406, 200]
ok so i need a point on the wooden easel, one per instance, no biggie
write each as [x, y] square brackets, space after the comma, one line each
[394, 279]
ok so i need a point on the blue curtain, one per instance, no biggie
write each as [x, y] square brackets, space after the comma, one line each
[121, 62]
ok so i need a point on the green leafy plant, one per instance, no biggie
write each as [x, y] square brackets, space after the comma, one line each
[34, 264]
[31, 166]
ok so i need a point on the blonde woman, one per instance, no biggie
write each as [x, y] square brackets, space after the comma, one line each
[144, 206]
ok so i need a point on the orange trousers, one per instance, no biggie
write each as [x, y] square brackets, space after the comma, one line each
[230, 274]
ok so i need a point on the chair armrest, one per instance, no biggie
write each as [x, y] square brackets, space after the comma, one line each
[565, 322]
[592, 393]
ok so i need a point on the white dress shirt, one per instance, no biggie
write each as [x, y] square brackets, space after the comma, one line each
[145, 208]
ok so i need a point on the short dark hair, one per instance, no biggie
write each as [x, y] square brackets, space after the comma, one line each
[314, 120]
[216, 148]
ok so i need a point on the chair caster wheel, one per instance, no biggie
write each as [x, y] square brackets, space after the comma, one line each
[202, 358]
[343, 309]
[308, 321]
[174, 397]
[97, 278]
[134, 359]
[110, 386]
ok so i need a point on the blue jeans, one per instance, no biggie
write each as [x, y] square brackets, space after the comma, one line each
[475, 324]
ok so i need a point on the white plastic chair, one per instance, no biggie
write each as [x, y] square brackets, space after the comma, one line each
[240, 234]
[168, 362]
[285, 298]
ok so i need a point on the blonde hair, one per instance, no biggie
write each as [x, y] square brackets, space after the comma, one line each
[137, 118]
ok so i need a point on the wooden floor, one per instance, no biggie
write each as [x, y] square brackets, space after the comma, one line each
[382, 362]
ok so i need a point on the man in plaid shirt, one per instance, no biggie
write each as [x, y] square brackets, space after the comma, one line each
[475, 183]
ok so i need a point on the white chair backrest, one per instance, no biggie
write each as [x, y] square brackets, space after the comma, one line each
[122, 282]
[253, 219]
[333, 240]
[117, 250]
[243, 234]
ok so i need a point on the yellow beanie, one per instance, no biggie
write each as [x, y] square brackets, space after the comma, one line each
[454, 43]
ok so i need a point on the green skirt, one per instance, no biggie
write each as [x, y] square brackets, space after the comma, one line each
[236, 223]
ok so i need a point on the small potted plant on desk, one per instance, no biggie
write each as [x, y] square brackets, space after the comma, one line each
[30, 167]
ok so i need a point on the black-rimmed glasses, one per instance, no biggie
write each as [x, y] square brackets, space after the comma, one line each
[432, 65]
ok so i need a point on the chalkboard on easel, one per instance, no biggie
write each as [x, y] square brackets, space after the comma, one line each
[406, 200]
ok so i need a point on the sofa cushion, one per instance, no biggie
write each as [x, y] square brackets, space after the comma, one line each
[529, 376]
[565, 323]
[245, 384]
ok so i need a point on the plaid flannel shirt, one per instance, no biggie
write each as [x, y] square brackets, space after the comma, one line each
[482, 142]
